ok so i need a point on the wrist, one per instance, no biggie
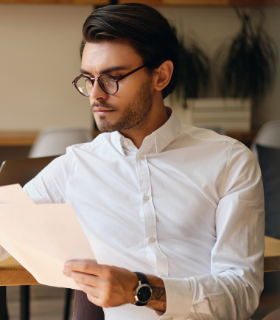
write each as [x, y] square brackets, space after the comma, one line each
[143, 292]
[133, 284]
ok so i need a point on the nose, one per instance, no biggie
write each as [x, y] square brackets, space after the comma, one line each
[97, 93]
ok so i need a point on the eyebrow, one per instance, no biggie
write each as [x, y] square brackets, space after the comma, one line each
[108, 70]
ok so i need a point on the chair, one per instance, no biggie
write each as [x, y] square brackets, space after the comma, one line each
[54, 140]
[267, 136]
[266, 147]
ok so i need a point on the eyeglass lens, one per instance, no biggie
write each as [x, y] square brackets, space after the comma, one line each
[106, 83]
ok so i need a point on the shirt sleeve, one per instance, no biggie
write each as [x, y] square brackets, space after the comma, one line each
[233, 288]
[50, 185]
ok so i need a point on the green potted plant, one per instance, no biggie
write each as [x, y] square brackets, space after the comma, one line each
[247, 64]
[194, 71]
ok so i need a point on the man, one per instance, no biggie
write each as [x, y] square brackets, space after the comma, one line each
[181, 206]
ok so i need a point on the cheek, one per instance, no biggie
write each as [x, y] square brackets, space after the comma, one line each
[128, 88]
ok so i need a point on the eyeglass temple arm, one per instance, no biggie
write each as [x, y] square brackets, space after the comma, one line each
[129, 73]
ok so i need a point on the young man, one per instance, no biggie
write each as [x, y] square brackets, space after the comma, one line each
[180, 206]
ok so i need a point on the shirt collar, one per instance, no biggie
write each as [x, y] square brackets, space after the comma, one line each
[156, 141]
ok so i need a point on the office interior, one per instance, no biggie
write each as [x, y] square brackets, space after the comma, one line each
[39, 60]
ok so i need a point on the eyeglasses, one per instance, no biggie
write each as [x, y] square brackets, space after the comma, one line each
[107, 83]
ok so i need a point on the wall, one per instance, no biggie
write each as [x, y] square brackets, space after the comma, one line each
[212, 26]
[39, 58]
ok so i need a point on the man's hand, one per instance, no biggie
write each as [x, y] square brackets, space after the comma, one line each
[109, 286]
[105, 286]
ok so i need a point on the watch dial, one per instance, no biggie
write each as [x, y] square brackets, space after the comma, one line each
[144, 294]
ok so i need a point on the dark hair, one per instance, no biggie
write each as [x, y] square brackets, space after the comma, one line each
[148, 32]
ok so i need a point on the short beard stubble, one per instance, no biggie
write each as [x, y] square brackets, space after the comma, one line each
[134, 114]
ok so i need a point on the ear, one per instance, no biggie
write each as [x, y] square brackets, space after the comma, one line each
[163, 74]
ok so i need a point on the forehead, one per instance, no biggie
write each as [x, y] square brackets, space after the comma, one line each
[106, 54]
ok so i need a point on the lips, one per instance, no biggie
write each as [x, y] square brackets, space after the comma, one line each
[100, 109]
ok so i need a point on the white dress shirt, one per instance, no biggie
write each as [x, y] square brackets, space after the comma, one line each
[186, 206]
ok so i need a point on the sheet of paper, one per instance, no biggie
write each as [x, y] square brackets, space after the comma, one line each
[14, 194]
[42, 237]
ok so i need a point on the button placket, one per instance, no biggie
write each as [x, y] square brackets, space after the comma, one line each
[156, 257]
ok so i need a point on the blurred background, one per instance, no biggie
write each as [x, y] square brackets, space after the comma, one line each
[40, 58]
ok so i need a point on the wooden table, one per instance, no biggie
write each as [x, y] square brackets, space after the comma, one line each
[271, 255]
[12, 273]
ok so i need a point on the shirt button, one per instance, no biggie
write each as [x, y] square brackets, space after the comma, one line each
[151, 240]
[161, 275]
[126, 142]
[141, 156]
[146, 198]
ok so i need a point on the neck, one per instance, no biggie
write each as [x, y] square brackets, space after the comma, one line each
[156, 118]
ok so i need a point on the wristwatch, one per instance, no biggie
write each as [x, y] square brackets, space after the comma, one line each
[143, 293]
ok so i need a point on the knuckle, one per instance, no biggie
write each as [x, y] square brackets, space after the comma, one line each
[109, 287]
[109, 273]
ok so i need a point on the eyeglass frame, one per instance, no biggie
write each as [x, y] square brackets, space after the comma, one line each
[115, 78]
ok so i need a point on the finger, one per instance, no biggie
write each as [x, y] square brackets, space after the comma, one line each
[84, 266]
[89, 290]
[93, 294]
[88, 279]
[95, 300]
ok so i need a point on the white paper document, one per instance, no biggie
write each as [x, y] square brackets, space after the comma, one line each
[41, 237]
[14, 194]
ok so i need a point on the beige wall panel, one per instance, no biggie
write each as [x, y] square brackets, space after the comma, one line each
[39, 58]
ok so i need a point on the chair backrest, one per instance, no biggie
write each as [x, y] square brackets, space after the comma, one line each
[267, 136]
[54, 140]
[22, 171]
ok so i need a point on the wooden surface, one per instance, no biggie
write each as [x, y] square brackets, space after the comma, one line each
[12, 273]
[191, 3]
[22, 138]
[17, 138]
[272, 254]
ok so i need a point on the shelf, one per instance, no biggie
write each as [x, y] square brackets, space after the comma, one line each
[207, 3]
[191, 3]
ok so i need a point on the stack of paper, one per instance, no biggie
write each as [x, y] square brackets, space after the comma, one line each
[41, 237]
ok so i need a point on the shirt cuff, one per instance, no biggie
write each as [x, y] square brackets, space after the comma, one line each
[178, 299]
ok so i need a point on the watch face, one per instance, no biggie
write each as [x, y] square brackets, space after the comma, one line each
[144, 294]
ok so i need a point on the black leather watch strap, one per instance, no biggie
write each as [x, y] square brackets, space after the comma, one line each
[145, 283]
[142, 278]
